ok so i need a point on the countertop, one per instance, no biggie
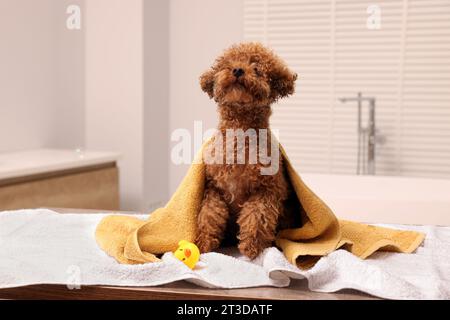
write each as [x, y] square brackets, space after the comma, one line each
[39, 161]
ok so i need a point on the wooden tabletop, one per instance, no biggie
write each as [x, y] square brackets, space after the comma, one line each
[298, 290]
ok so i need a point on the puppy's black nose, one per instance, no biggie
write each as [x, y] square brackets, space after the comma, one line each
[238, 72]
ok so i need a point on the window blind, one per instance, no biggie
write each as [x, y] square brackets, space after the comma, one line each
[404, 64]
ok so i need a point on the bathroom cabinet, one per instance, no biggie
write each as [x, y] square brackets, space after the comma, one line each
[60, 179]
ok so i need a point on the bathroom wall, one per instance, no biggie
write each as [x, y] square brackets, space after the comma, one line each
[127, 94]
[199, 31]
[70, 74]
[27, 101]
[114, 89]
[156, 103]
[41, 78]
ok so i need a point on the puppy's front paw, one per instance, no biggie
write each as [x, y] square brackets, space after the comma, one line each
[206, 243]
[251, 247]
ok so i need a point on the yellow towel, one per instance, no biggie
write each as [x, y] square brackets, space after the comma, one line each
[131, 241]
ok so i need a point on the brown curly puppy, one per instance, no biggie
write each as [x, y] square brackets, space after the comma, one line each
[239, 202]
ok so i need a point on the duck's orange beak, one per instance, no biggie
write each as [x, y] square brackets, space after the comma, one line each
[187, 252]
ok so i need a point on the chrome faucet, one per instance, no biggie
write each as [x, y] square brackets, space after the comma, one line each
[366, 136]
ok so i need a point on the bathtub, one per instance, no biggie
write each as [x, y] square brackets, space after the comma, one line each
[381, 199]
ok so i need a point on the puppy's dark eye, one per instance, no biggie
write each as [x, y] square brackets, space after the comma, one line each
[257, 71]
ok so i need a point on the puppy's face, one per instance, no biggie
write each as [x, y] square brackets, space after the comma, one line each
[248, 74]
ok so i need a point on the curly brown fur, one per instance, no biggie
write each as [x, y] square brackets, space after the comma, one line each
[214, 213]
[239, 202]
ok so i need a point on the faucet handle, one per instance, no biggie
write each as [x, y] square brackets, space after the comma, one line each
[380, 139]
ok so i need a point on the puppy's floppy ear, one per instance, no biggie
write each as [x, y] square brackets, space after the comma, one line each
[207, 82]
[282, 81]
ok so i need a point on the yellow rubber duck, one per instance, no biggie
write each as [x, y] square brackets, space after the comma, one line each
[188, 253]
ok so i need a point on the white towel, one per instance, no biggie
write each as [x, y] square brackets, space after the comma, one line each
[44, 247]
